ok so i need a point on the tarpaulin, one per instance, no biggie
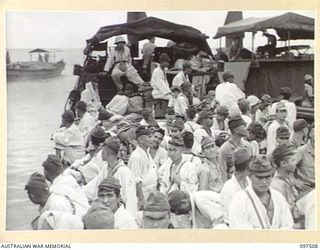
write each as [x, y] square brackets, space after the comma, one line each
[151, 26]
[299, 26]
[240, 71]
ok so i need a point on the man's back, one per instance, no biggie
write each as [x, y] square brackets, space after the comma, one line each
[228, 94]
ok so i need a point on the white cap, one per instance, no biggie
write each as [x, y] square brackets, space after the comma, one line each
[308, 77]
[119, 39]
[253, 100]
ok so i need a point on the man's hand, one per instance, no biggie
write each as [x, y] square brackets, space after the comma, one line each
[104, 73]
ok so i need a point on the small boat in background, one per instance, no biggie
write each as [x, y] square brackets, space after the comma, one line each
[44, 67]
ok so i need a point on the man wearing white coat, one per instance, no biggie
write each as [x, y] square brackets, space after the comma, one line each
[69, 142]
[109, 194]
[228, 93]
[238, 181]
[116, 168]
[176, 172]
[143, 166]
[259, 206]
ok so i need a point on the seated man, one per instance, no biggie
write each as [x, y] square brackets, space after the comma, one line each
[259, 206]
[204, 207]
[120, 59]
[182, 76]
[85, 121]
[119, 103]
[156, 212]
[176, 172]
[69, 140]
[159, 82]
[64, 184]
[92, 98]
[98, 217]
[39, 194]
[109, 195]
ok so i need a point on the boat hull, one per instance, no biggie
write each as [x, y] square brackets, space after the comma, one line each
[28, 74]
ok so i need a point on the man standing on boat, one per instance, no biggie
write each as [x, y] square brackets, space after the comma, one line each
[147, 52]
[121, 61]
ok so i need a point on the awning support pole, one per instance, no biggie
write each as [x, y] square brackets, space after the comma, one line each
[252, 42]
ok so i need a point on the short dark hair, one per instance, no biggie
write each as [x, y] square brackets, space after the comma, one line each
[241, 167]
[191, 112]
[81, 105]
[188, 139]
[159, 130]
[279, 160]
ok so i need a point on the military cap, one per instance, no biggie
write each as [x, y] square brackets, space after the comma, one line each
[113, 143]
[52, 163]
[142, 130]
[281, 151]
[260, 165]
[98, 216]
[81, 105]
[285, 91]
[178, 124]
[37, 181]
[164, 58]
[222, 110]
[280, 106]
[68, 116]
[99, 132]
[176, 141]
[236, 121]
[104, 115]
[185, 85]
[205, 113]
[157, 201]
[241, 155]
[266, 98]
[226, 75]
[110, 183]
[299, 124]
[175, 197]
[253, 100]
[170, 111]
[283, 132]
[207, 141]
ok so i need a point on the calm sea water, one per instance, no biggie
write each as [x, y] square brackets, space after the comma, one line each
[34, 109]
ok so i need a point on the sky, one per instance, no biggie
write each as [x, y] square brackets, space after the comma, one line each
[53, 29]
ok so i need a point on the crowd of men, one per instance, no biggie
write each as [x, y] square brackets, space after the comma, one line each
[229, 162]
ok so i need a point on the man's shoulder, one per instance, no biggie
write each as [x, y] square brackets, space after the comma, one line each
[274, 125]
[226, 145]
[277, 195]
[239, 196]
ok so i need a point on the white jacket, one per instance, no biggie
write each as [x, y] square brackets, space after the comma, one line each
[243, 216]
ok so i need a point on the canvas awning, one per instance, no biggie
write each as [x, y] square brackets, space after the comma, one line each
[151, 26]
[39, 51]
[299, 26]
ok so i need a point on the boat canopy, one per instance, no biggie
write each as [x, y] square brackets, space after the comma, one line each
[39, 51]
[150, 26]
[289, 26]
